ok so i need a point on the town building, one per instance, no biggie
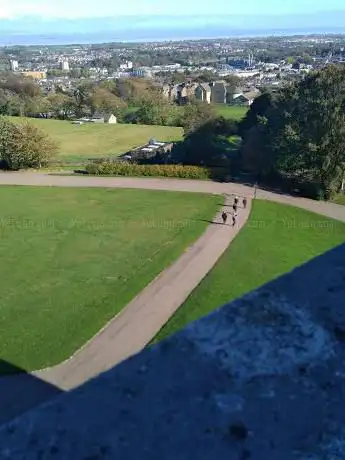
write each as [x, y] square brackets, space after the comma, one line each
[203, 93]
[14, 65]
[128, 65]
[64, 65]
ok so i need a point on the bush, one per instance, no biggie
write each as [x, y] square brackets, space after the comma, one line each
[108, 168]
[24, 146]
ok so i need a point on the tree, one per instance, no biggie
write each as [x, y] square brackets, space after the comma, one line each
[61, 105]
[208, 144]
[196, 114]
[24, 146]
[206, 77]
[301, 133]
[154, 109]
[38, 105]
[81, 100]
[102, 100]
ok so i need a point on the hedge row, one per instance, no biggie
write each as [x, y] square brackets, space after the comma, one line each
[133, 169]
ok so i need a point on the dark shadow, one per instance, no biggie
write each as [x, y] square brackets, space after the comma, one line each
[185, 412]
[230, 206]
[209, 221]
[20, 391]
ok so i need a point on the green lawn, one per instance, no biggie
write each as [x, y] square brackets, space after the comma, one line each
[231, 112]
[79, 143]
[71, 259]
[340, 199]
[276, 239]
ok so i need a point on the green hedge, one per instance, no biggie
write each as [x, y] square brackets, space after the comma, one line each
[133, 169]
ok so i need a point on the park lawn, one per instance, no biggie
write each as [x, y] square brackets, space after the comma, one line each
[340, 199]
[71, 259]
[276, 239]
[231, 112]
[78, 143]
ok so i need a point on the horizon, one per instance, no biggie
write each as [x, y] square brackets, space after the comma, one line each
[38, 23]
[79, 9]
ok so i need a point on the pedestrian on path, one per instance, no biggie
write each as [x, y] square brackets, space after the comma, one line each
[224, 217]
[236, 200]
[244, 203]
[235, 208]
[234, 219]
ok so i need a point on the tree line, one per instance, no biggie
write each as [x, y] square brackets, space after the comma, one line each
[131, 100]
[296, 135]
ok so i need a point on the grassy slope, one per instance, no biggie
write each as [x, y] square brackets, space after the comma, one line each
[231, 112]
[78, 143]
[276, 239]
[73, 258]
[340, 199]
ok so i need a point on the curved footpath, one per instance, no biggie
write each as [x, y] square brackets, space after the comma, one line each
[183, 185]
[131, 330]
[142, 318]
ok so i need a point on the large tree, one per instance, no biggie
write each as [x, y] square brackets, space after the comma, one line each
[300, 133]
[154, 109]
[102, 100]
[195, 114]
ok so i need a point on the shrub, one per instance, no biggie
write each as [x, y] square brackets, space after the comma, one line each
[108, 168]
[24, 146]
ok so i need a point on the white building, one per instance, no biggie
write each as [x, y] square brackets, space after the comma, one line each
[128, 65]
[14, 65]
[65, 65]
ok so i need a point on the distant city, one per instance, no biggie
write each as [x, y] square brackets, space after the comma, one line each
[255, 62]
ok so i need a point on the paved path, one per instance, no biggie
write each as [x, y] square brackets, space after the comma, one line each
[135, 326]
[131, 330]
[40, 179]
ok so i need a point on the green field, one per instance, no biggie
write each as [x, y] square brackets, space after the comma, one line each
[71, 259]
[79, 143]
[276, 239]
[231, 112]
[340, 199]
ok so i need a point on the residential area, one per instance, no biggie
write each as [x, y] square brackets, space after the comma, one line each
[232, 71]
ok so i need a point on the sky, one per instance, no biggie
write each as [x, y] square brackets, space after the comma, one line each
[45, 9]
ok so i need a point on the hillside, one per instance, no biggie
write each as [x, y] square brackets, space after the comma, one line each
[78, 143]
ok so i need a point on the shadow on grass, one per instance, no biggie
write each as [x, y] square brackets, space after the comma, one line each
[209, 221]
[20, 391]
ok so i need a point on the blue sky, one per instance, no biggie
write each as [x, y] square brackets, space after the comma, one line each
[91, 8]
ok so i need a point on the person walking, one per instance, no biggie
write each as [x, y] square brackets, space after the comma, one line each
[224, 217]
[244, 203]
[235, 208]
[236, 200]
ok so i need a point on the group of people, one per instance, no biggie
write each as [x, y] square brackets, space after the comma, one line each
[235, 208]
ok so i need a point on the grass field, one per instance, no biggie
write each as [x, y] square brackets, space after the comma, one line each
[71, 259]
[276, 239]
[231, 112]
[79, 143]
[340, 200]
